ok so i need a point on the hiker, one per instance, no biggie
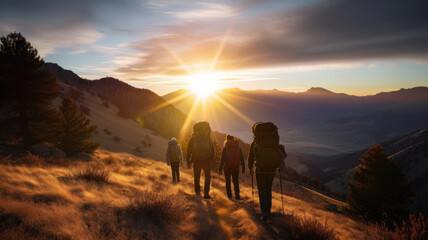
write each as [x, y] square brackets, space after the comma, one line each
[231, 158]
[267, 155]
[200, 153]
[174, 157]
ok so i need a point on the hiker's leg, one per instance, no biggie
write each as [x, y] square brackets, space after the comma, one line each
[172, 172]
[227, 176]
[178, 172]
[197, 175]
[235, 178]
[207, 173]
[175, 170]
[261, 188]
[269, 181]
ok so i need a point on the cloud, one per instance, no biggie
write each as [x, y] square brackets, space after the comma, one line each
[204, 11]
[324, 33]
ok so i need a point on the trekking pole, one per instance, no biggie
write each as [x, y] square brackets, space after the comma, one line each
[252, 191]
[280, 185]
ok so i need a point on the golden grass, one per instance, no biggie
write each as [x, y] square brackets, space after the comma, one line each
[139, 201]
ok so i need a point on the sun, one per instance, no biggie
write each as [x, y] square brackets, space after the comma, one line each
[203, 84]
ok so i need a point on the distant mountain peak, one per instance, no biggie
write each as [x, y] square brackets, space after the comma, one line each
[318, 90]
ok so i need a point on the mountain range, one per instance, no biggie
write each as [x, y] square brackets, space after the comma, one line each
[315, 122]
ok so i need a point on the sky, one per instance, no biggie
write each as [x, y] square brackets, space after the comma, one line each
[356, 47]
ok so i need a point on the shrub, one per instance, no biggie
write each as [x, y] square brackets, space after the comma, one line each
[92, 173]
[108, 132]
[307, 228]
[116, 139]
[155, 208]
[415, 228]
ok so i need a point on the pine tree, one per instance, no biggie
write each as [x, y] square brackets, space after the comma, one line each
[75, 129]
[379, 191]
[25, 89]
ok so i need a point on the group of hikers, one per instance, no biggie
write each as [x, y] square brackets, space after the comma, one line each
[266, 155]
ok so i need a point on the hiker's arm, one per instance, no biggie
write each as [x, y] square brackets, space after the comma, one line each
[223, 159]
[167, 156]
[251, 157]
[189, 150]
[241, 158]
[180, 155]
[212, 152]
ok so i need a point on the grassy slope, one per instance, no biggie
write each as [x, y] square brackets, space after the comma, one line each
[131, 134]
[46, 202]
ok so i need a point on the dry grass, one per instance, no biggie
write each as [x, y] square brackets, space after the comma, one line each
[34, 160]
[415, 228]
[74, 202]
[308, 228]
[91, 173]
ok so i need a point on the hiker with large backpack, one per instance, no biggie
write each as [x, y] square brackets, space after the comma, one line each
[200, 153]
[174, 157]
[267, 155]
[231, 158]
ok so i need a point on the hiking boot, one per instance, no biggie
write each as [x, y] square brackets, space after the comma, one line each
[238, 197]
[229, 196]
[264, 218]
[207, 196]
[178, 180]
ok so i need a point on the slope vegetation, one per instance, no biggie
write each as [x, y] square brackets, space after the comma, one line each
[122, 196]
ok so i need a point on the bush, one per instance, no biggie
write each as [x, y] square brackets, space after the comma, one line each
[116, 139]
[308, 228]
[155, 208]
[108, 132]
[92, 173]
[415, 228]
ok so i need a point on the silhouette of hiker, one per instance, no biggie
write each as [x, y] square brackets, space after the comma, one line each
[200, 152]
[231, 158]
[174, 157]
[267, 155]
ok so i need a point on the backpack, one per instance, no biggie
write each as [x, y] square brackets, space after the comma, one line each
[202, 141]
[267, 150]
[174, 153]
[232, 161]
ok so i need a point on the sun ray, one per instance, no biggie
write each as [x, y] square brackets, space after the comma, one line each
[234, 110]
[249, 99]
[176, 57]
[169, 102]
[219, 50]
[189, 119]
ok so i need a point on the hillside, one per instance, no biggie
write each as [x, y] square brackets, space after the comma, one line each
[134, 198]
[316, 122]
[409, 151]
[141, 105]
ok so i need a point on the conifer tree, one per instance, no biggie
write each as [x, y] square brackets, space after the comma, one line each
[379, 191]
[25, 89]
[76, 129]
